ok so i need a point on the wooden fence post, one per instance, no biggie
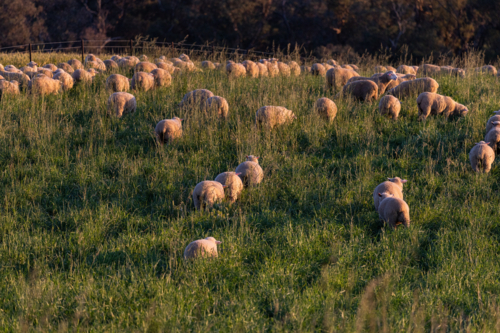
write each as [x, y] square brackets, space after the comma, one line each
[83, 51]
[30, 52]
[131, 48]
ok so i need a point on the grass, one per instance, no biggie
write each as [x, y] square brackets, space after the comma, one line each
[95, 216]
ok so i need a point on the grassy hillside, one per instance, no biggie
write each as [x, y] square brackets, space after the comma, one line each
[95, 215]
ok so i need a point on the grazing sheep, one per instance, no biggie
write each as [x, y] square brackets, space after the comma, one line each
[44, 85]
[379, 69]
[493, 136]
[143, 57]
[284, 69]
[432, 103]
[305, 69]
[196, 99]
[318, 69]
[453, 71]
[294, 68]
[115, 58]
[217, 105]
[185, 66]
[202, 248]
[481, 157]
[117, 83]
[263, 71]
[390, 106]
[394, 211]
[391, 185]
[95, 64]
[207, 193]
[184, 57]
[337, 77]
[81, 75]
[161, 77]
[92, 72]
[111, 65]
[487, 69]
[272, 69]
[496, 117]
[146, 67]
[429, 69]
[250, 171]
[233, 184]
[168, 130]
[332, 62]
[51, 67]
[207, 64]
[163, 65]
[21, 78]
[121, 103]
[162, 60]
[273, 116]
[401, 78]
[8, 88]
[347, 67]
[46, 72]
[13, 69]
[235, 70]
[403, 69]
[326, 109]
[414, 87]
[142, 81]
[363, 90]
[66, 80]
[75, 64]
[251, 68]
[382, 81]
[66, 67]
[126, 63]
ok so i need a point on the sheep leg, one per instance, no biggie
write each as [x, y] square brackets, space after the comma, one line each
[423, 111]
[196, 201]
[392, 218]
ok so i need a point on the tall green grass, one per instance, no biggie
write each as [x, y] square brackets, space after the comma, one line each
[95, 215]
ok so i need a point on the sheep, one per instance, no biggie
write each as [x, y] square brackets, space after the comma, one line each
[403, 69]
[294, 68]
[165, 66]
[233, 184]
[251, 68]
[273, 116]
[92, 72]
[347, 67]
[217, 105]
[493, 136]
[2, 68]
[168, 130]
[284, 69]
[496, 117]
[51, 67]
[111, 65]
[415, 68]
[184, 57]
[263, 71]
[1, 78]
[143, 57]
[12, 69]
[272, 69]
[75, 64]
[326, 109]
[378, 69]
[390, 106]
[393, 210]
[46, 72]
[481, 157]
[21, 78]
[161, 77]
[414, 87]
[207, 193]
[318, 69]
[453, 71]
[207, 64]
[356, 68]
[235, 70]
[97, 64]
[81, 75]
[487, 69]
[126, 63]
[120, 103]
[432, 103]
[162, 60]
[196, 99]
[8, 88]
[391, 185]
[250, 171]
[146, 67]
[142, 81]
[66, 67]
[364, 90]
[332, 62]
[117, 83]
[429, 69]
[338, 77]
[382, 81]
[202, 248]
[401, 78]
[186, 66]
[115, 58]
[305, 69]
[44, 85]
[66, 80]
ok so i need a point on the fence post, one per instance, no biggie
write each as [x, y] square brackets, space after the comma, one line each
[30, 52]
[83, 51]
[131, 48]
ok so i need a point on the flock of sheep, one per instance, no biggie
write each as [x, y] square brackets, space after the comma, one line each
[394, 83]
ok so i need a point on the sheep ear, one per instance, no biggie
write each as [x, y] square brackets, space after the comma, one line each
[181, 119]
[390, 179]
[487, 143]
[218, 242]
[247, 156]
[379, 194]
[238, 173]
[403, 181]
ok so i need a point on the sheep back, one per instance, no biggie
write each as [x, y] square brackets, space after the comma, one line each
[207, 193]
[121, 103]
[233, 184]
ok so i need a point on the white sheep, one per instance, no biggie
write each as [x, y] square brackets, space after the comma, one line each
[251, 68]
[44, 85]
[294, 68]
[217, 105]
[432, 103]
[81, 75]
[250, 171]
[233, 184]
[142, 81]
[392, 185]
[481, 157]
[8, 88]
[493, 136]
[111, 65]
[75, 64]
[66, 80]
[496, 117]
[318, 69]
[273, 116]
[207, 64]
[326, 109]
[284, 69]
[202, 248]
[207, 193]
[394, 211]
[145, 66]
[196, 99]
[389, 106]
[168, 130]
[263, 71]
[235, 70]
[121, 103]
[161, 77]
[117, 83]
[66, 67]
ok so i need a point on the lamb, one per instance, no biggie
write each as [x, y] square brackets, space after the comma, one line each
[50, 67]
[403, 69]
[284, 69]
[390, 106]
[273, 116]
[207, 64]
[432, 103]
[81, 75]
[142, 81]
[233, 184]
[66, 80]
[235, 70]
[391, 185]
[481, 157]
[196, 99]
[207, 193]
[66, 67]
[493, 136]
[250, 171]
[161, 78]
[251, 68]
[217, 105]
[364, 90]
[318, 69]
[75, 64]
[487, 69]
[489, 124]
[121, 103]
[414, 87]
[394, 211]
[326, 109]
[168, 130]
[294, 68]
[338, 77]
[44, 85]
[382, 81]
[146, 67]
[8, 88]
[117, 83]
[111, 65]
[263, 71]
[202, 248]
